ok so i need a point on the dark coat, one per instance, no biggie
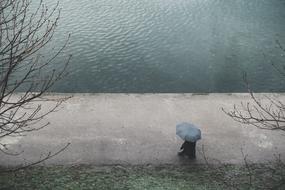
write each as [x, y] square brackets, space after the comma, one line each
[189, 149]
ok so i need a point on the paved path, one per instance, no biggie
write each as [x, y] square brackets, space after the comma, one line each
[140, 129]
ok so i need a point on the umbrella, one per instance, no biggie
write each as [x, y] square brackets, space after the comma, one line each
[188, 132]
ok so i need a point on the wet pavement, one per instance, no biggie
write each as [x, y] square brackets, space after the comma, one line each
[107, 129]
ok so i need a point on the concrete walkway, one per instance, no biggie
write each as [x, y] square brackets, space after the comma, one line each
[108, 129]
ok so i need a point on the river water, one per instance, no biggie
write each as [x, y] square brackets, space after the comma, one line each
[171, 45]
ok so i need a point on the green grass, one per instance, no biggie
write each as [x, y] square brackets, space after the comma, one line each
[135, 178]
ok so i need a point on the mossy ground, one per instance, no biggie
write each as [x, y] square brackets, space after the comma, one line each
[140, 177]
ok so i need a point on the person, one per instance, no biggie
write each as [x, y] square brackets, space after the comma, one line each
[189, 149]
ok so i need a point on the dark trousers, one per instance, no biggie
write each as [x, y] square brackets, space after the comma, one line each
[188, 149]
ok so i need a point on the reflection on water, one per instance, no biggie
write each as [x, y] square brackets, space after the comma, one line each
[171, 45]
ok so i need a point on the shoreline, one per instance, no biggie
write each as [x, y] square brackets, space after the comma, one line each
[139, 129]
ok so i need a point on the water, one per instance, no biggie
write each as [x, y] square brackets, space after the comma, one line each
[171, 45]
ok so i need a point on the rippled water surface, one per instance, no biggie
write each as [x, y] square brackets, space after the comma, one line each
[171, 45]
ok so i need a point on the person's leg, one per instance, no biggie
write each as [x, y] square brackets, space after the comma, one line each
[192, 150]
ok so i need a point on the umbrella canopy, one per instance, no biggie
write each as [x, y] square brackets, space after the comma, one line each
[188, 132]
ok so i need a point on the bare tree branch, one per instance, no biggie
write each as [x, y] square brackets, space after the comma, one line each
[24, 32]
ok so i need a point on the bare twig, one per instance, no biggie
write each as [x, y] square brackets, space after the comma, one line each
[48, 156]
[24, 32]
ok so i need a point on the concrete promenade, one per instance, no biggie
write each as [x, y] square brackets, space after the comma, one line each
[106, 129]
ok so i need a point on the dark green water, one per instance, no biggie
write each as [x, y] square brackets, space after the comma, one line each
[171, 45]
